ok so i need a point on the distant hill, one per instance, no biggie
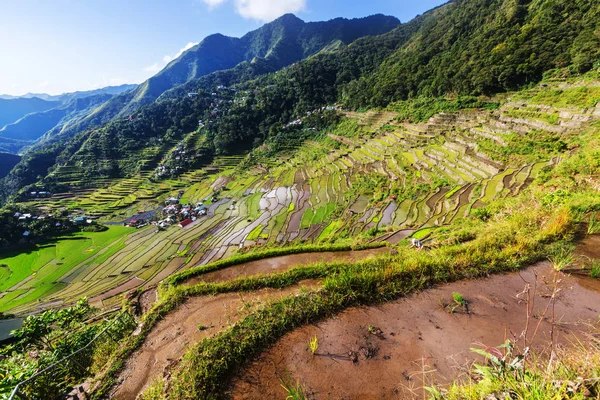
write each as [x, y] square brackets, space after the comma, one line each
[282, 42]
[66, 108]
[7, 163]
[66, 97]
[32, 126]
[14, 109]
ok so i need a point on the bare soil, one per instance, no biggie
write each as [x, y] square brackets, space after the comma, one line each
[194, 320]
[391, 351]
[279, 264]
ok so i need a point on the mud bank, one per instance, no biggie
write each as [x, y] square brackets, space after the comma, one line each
[194, 320]
[391, 351]
[279, 264]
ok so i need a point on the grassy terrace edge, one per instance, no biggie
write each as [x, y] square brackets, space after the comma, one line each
[207, 367]
[522, 233]
[180, 277]
[172, 294]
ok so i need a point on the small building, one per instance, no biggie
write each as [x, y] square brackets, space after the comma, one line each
[80, 221]
[26, 234]
[171, 201]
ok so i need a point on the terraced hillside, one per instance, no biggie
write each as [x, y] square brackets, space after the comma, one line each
[366, 178]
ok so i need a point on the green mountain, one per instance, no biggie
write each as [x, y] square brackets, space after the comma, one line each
[282, 42]
[375, 70]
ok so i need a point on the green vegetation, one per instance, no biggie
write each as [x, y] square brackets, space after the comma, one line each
[53, 335]
[42, 268]
[294, 391]
[459, 299]
[423, 108]
[523, 375]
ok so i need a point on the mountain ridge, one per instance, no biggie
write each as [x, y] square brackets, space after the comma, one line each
[284, 40]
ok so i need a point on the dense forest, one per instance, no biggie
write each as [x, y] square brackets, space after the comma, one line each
[465, 47]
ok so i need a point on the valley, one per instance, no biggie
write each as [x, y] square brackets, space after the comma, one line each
[325, 189]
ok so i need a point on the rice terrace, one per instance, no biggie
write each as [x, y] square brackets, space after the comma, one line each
[351, 209]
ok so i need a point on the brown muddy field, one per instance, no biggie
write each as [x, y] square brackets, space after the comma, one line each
[194, 320]
[416, 341]
[279, 264]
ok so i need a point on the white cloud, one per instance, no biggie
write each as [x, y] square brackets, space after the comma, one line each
[268, 10]
[43, 84]
[262, 10]
[167, 59]
[154, 68]
[157, 66]
[213, 3]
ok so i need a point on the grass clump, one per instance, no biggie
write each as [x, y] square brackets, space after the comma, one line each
[459, 299]
[293, 391]
[562, 256]
[313, 345]
[595, 270]
[593, 225]
[571, 373]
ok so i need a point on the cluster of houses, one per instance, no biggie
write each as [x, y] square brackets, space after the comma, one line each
[39, 195]
[25, 218]
[174, 164]
[298, 121]
[181, 214]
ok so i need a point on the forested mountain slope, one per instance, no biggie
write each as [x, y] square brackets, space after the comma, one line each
[453, 50]
[286, 40]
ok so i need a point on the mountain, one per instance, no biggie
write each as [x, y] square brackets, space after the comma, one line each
[32, 126]
[13, 109]
[456, 49]
[282, 42]
[70, 107]
[65, 97]
[484, 47]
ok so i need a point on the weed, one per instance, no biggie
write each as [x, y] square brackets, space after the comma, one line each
[201, 327]
[459, 299]
[313, 344]
[562, 256]
[294, 391]
[595, 269]
[594, 225]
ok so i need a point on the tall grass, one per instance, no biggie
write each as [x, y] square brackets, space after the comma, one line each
[572, 373]
[293, 391]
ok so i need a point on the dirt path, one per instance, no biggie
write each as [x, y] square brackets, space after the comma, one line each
[283, 263]
[194, 320]
[417, 334]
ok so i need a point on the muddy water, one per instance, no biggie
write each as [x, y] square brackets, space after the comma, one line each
[417, 334]
[282, 263]
[179, 330]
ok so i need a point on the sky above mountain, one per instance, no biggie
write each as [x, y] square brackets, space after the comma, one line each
[68, 45]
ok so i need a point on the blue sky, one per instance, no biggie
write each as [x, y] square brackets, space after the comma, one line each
[56, 46]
